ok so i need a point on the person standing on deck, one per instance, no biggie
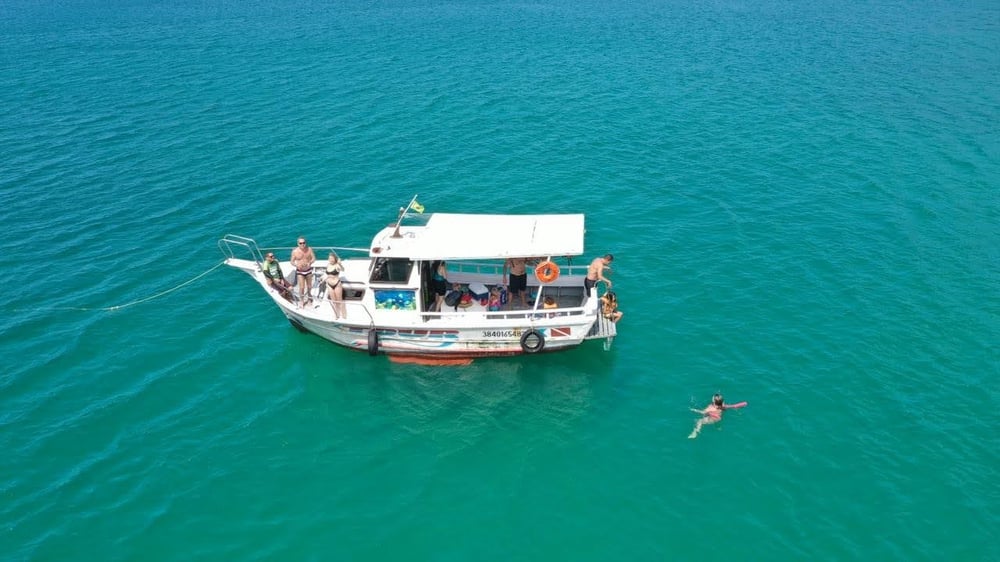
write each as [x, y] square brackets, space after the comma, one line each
[595, 272]
[302, 259]
[518, 282]
[335, 286]
[439, 285]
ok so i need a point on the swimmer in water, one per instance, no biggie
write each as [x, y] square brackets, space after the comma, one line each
[711, 414]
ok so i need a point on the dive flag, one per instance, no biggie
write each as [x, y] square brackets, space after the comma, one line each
[417, 207]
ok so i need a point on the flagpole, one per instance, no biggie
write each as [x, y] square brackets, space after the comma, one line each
[402, 213]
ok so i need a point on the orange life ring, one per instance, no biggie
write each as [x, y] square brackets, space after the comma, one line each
[547, 272]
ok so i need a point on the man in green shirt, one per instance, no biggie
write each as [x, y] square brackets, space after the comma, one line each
[275, 278]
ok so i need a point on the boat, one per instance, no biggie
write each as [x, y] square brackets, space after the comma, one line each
[388, 301]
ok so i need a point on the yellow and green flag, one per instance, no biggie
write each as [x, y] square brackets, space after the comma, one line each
[417, 207]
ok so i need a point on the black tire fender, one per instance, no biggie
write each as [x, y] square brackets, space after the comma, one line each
[372, 342]
[532, 341]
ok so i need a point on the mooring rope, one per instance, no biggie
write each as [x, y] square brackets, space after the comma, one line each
[135, 302]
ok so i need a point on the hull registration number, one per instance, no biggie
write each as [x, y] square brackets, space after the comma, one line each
[501, 334]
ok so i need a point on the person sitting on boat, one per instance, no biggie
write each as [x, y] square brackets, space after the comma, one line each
[454, 296]
[302, 259]
[334, 287]
[439, 285]
[550, 302]
[609, 307]
[493, 304]
[275, 278]
[595, 272]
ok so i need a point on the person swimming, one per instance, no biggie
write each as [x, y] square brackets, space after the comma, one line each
[711, 414]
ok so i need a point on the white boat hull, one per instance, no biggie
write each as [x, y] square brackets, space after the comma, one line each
[480, 341]
[388, 300]
[448, 335]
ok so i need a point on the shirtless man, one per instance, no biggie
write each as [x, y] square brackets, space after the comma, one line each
[711, 414]
[302, 259]
[595, 272]
[518, 282]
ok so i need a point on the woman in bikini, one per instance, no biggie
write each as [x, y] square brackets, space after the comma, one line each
[334, 286]
[493, 304]
[609, 307]
[439, 285]
[711, 414]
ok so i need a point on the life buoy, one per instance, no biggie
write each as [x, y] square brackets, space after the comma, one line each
[532, 341]
[547, 272]
[372, 342]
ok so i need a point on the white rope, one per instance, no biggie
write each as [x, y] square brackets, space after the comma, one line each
[135, 302]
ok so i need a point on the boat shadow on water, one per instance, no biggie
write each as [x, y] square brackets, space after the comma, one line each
[468, 403]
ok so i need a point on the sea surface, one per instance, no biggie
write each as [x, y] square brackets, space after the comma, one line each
[803, 201]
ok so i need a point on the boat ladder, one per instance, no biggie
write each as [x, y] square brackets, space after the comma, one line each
[603, 329]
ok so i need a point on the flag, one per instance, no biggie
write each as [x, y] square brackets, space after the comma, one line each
[417, 206]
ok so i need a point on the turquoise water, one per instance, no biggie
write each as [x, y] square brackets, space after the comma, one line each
[803, 205]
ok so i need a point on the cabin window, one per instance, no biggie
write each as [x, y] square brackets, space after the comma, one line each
[388, 299]
[391, 270]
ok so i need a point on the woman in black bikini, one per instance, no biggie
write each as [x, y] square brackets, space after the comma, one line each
[334, 287]
[439, 285]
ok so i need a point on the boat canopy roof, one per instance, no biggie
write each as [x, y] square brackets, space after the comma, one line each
[450, 236]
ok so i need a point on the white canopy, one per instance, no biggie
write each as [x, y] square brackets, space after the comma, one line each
[463, 237]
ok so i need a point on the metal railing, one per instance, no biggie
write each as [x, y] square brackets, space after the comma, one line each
[231, 243]
[240, 247]
[484, 268]
[349, 305]
[321, 251]
[530, 314]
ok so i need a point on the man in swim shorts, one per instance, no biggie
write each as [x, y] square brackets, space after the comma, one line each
[518, 281]
[595, 273]
[302, 259]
